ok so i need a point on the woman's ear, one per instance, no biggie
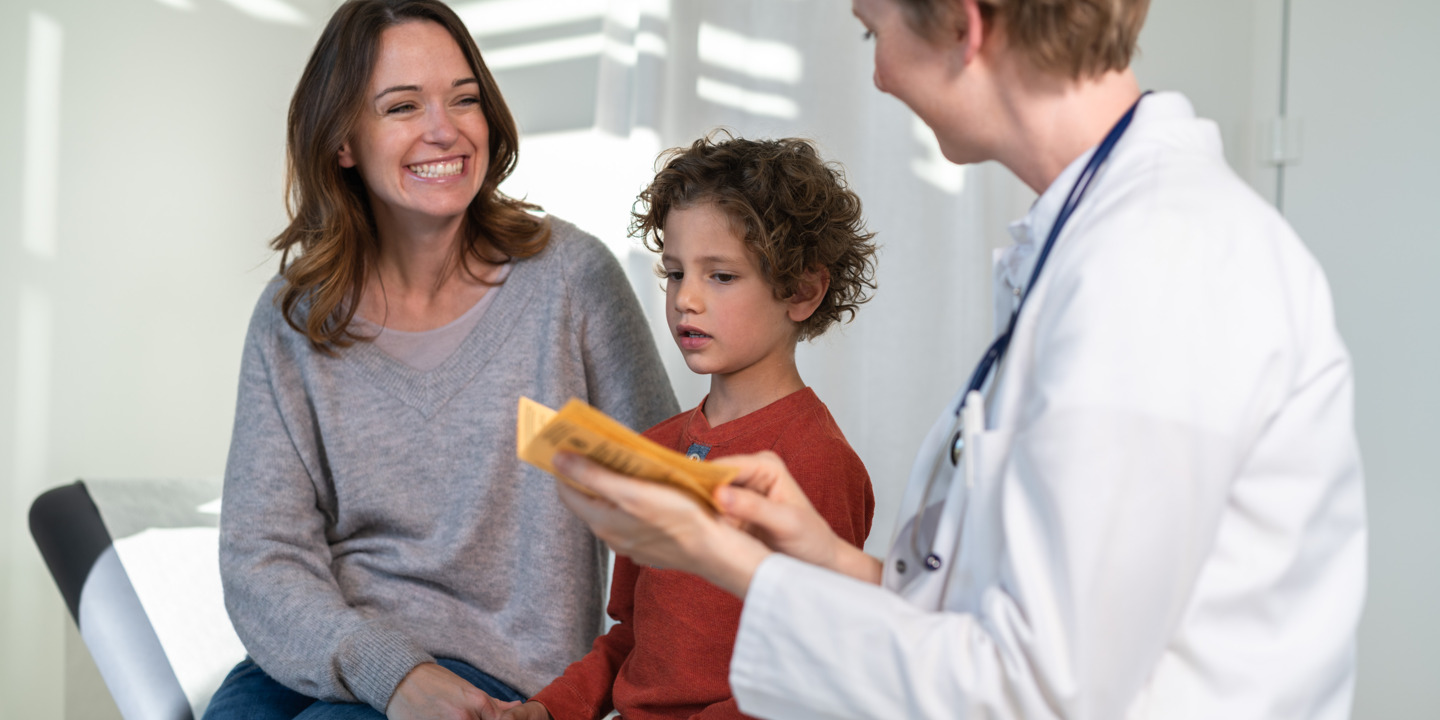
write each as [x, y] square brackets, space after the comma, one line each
[809, 292]
[347, 158]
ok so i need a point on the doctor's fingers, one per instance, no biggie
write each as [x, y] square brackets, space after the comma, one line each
[792, 526]
[607, 521]
[764, 473]
[650, 523]
[634, 497]
[584, 473]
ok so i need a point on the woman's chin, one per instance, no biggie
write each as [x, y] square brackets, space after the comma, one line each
[426, 216]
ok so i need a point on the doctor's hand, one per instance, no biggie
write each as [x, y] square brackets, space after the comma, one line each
[660, 526]
[766, 502]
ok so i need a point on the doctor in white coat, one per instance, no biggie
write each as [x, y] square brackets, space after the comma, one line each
[1148, 503]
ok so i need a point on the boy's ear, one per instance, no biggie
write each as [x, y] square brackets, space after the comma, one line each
[808, 294]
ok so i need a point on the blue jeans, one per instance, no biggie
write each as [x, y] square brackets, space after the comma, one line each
[249, 694]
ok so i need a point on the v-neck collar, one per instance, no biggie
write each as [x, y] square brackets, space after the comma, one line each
[428, 391]
[698, 429]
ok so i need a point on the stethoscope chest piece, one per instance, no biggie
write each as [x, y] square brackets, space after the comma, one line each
[957, 446]
[932, 562]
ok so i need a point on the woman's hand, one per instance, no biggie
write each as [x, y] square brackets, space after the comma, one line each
[430, 692]
[525, 711]
[765, 501]
[656, 525]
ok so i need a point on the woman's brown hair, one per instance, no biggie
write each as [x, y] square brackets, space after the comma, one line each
[330, 245]
[1072, 38]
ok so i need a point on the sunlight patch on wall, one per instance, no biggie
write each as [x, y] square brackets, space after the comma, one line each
[274, 11]
[648, 43]
[767, 61]
[40, 191]
[540, 53]
[571, 48]
[600, 208]
[626, 16]
[495, 17]
[759, 59]
[655, 8]
[491, 21]
[758, 103]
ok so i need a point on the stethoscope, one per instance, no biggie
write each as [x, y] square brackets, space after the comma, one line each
[968, 412]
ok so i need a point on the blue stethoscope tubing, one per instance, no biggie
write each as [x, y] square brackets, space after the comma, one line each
[992, 357]
[995, 354]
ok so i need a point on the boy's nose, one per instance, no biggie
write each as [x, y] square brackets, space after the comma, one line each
[687, 300]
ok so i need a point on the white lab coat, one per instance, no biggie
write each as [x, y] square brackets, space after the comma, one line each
[1166, 518]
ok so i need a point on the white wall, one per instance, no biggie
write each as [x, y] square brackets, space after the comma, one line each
[1362, 86]
[143, 157]
[1363, 83]
[120, 331]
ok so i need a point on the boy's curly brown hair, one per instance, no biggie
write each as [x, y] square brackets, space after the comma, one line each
[793, 209]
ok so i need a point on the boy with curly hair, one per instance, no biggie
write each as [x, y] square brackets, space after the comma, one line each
[761, 245]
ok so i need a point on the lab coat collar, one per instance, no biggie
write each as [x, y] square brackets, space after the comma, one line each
[1017, 262]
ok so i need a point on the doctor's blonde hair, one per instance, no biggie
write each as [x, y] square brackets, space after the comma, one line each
[1071, 38]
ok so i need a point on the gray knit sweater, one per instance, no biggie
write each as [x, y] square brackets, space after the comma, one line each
[376, 517]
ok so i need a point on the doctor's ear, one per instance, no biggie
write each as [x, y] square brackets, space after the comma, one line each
[347, 158]
[809, 293]
[972, 26]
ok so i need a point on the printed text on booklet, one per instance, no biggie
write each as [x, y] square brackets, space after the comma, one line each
[578, 428]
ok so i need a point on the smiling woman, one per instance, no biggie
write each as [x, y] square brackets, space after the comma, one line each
[421, 140]
[381, 547]
[399, 104]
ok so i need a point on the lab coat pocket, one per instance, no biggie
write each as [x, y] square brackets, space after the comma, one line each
[917, 565]
[981, 540]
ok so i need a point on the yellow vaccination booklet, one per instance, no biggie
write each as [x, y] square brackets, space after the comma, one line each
[578, 428]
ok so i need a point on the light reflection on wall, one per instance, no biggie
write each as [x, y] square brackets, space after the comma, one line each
[275, 11]
[760, 59]
[766, 61]
[39, 210]
[271, 11]
[41, 186]
[497, 17]
[559, 70]
[28, 601]
[493, 22]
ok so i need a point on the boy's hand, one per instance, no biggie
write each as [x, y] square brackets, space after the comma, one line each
[766, 502]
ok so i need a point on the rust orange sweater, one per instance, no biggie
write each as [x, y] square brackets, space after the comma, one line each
[668, 656]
